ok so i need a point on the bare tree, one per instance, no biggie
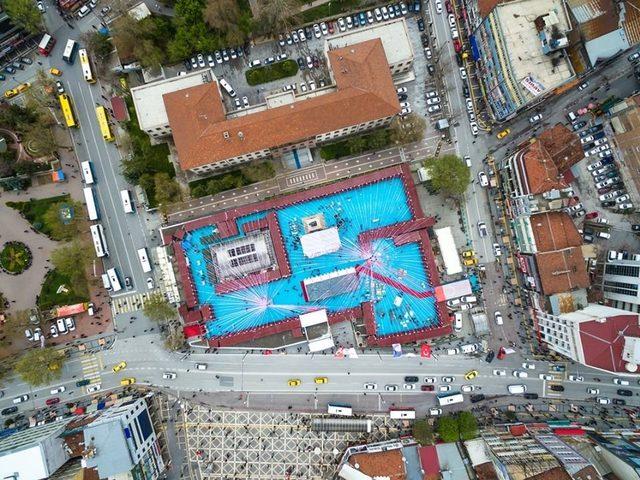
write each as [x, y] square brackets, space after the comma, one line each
[277, 15]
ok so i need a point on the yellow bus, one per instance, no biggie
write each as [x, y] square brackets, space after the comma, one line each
[103, 121]
[67, 110]
[86, 65]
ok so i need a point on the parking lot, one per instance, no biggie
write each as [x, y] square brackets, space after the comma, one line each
[268, 445]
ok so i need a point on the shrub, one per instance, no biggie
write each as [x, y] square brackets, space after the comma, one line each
[269, 73]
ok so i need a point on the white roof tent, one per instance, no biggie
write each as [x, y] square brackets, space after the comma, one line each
[318, 317]
[321, 242]
[448, 250]
[330, 284]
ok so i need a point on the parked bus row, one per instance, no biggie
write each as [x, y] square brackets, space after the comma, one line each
[342, 410]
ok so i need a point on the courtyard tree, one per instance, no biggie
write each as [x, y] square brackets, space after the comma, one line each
[40, 366]
[423, 432]
[467, 426]
[356, 145]
[277, 15]
[448, 428]
[72, 260]
[25, 14]
[157, 308]
[407, 129]
[449, 174]
[14, 326]
[61, 227]
[174, 340]
[167, 190]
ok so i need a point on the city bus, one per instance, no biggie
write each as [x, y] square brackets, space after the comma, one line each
[402, 413]
[99, 240]
[46, 45]
[69, 54]
[87, 73]
[113, 279]
[449, 399]
[144, 260]
[103, 121]
[91, 203]
[337, 409]
[87, 175]
[125, 196]
[67, 110]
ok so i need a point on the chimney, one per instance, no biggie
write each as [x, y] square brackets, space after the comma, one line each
[225, 135]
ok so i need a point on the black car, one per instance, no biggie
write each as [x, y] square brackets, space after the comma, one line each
[624, 392]
[411, 379]
[82, 383]
[421, 25]
[301, 63]
[9, 69]
[531, 396]
[618, 401]
[556, 388]
[417, 6]
[579, 125]
[402, 97]
[635, 227]
[490, 356]
[608, 203]
[477, 398]
[431, 69]
[9, 410]
[308, 32]
[465, 91]
[595, 128]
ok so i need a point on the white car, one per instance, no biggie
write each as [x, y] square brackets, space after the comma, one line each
[444, 388]
[405, 111]
[41, 7]
[497, 316]
[324, 28]
[62, 328]
[409, 386]
[467, 388]
[601, 141]
[150, 283]
[500, 373]
[594, 166]
[528, 366]
[520, 374]
[625, 206]
[469, 103]
[438, 6]
[434, 411]
[53, 330]
[545, 376]
[463, 73]
[434, 108]
[200, 59]
[429, 379]
[452, 379]
[400, 90]
[377, 14]
[169, 375]
[576, 378]
[94, 388]
[433, 101]
[29, 334]
[70, 324]
[453, 302]
[593, 391]
[391, 388]
[316, 30]
[467, 160]
[603, 400]
[587, 139]
[58, 390]
[341, 25]
[622, 198]
[452, 20]
[604, 154]
[474, 129]
[497, 251]
[370, 386]
[431, 94]
[535, 118]
[484, 180]
[620, 381]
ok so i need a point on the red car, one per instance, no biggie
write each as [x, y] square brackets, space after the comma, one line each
[426, 388]
[604, 190]
[457, 45]
[330, 26]
[591, 215]
[448, 6]
[52, 401]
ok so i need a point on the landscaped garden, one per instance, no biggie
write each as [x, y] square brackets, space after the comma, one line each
[270, 73]
[57, 290]
[15, 258]
[242, 177]
[34, 211]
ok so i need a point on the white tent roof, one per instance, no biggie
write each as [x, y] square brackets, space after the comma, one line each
[321, 242]
[448, 250]
[349, 473]
[323, 343]
[313, 318]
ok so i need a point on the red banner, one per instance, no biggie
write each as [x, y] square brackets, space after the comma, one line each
[425, 351]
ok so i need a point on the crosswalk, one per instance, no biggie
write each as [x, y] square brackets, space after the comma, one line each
[91, 368]
[131, 303]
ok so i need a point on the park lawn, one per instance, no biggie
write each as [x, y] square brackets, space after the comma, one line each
[329, 10]
[270, 73]
[34, 211]
[48, 297]
[234, 179]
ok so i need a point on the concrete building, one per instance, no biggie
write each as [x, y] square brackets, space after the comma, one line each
[620, 283]
[624, 125]
[123, 443]
[33, 453]
[149, 104]
[207, 140]
[393, 35]
[520, 57]
[621, 452]
[598, 336]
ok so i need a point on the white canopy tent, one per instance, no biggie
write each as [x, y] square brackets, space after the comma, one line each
[319, 243]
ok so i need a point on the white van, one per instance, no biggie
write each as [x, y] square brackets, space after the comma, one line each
[227, 88]
[201, 366]
[105, 281]
[126, 201]
[469, 299]
[516, 389]
[470, 348]
[457, 321]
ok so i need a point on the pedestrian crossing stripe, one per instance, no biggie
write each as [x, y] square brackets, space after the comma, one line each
[91, 369]
[132, 303]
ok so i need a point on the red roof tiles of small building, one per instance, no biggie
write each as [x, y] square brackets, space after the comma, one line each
[597, 17]
[602, 343]
[364, 92]
[563, 146]
[541, 171]
[556, 473]
[554, 231]
[562, 270]
[380, 464]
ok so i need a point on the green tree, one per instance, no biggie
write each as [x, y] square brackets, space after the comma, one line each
[378, 139]
[65, 230]
[72, 260]
[449, 174]
[221, 14]
[38, 136]
[356, 145]
[14, 326]
[407, 129]
[467, 425]
[40, 366]
[158, 309]
[167, 190]
[448, 428]
[15, 116]
[7, 163]
[25, 14]
[423, 432]
[98, 44]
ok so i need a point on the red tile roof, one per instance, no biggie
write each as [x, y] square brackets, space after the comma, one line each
[556, 473]
[554, 231]
[541, 171]
[563, 146]
[364, 92]
[602, 343]
[562, 270]
[380, 464]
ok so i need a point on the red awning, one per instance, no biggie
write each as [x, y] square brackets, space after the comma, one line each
[425, 351]
[119, 108]
[71, 310]
[193, 330]
[569, 431]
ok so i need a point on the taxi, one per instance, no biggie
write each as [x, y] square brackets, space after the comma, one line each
[294, 382]
[470, 262]
[120, 366]
[55, 71]
[468, 254]
[470, 375]
[321, 380]
[11, 93]
[503, 133]
[127, 381]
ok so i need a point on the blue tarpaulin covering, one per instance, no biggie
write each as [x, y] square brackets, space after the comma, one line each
[474, 47]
